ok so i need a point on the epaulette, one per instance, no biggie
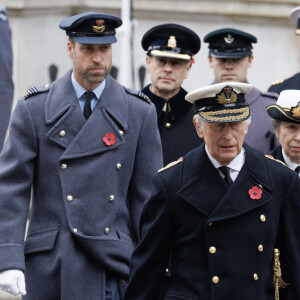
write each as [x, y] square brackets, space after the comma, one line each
[279, 81]
[271, 157]
[270, 94]
[138, 94]
[35, 90]
[173, 163]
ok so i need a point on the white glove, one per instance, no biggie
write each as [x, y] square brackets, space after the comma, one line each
[13, 282]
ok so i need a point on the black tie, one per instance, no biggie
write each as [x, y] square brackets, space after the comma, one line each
[225, 171]
[87, 106]
[297, 170]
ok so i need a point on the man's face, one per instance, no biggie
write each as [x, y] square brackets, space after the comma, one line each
[224, 141]
[289, 138]
[230, 69]
[91, 63]
[167, 75]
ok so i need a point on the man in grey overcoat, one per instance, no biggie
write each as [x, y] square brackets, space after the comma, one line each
[87, 148]
[6, 70]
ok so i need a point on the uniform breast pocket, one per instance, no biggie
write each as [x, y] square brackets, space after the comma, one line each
[42, 240]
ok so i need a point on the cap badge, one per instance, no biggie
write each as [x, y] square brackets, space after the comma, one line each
[229, 38]
[172, 42]
[296, 110]
[227, 95]
[100, 27]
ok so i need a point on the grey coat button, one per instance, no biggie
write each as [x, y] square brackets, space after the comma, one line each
[118, 166]
[64, 166]
[62, 133]
[70, 198]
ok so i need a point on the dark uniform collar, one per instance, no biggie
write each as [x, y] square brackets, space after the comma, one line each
[178, 105]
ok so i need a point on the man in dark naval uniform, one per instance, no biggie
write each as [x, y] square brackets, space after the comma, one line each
[285, 116]
[291, 83]
[229, 213]
[170, 49]
[230, 56]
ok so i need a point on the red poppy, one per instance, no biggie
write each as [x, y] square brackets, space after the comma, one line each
[255, 193]
[109, 139]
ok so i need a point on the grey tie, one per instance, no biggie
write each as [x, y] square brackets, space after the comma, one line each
[87, 106]
[226, 172]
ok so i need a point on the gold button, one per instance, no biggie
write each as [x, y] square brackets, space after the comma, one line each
[255, 276]
[167, 270]
[168, 125]
[260, 248]
[70, 198]
[118, 166]
[210, 224]
[215, 279]
[64, 166]
[121, 132]
[62, 133]
[111, 198]
[263, 218]
[75, 229]
[106, 231]
[212, 250]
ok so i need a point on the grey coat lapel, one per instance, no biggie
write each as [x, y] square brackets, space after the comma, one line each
[83, 138]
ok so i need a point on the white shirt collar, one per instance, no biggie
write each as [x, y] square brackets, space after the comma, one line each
[236, 164]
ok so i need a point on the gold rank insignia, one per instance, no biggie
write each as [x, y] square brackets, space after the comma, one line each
[279, 81]
[172, 43]
[227, 95]
[99, 27]
[173, 163]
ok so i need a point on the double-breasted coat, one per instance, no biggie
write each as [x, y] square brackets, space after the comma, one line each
[222, 241]
[6, 70]
[87, 195]
[176, 128]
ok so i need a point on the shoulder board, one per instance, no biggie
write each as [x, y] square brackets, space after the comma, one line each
[279, 81]
[270, 94]
[138, 94]
[271, 157]
[173, 163]
[35, 90]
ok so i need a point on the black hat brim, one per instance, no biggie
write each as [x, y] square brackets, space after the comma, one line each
[229, 54]
[95, 40]
[278, 113]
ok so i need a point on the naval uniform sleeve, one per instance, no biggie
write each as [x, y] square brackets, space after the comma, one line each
[16, 175]
[288, 241]
[148, 159]
[147, 265]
